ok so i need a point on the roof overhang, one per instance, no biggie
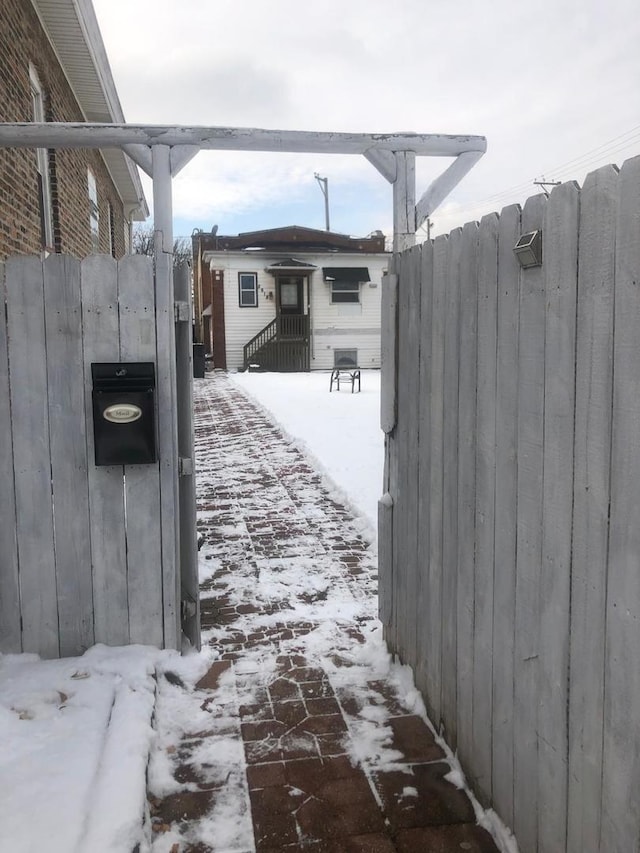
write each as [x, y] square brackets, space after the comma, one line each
[72, 29]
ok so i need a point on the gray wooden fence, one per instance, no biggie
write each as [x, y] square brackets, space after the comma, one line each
[510, 530]
[87, 554]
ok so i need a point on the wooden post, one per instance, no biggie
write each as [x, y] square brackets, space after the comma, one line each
[190, 592]
[166, 381]
[404, 201]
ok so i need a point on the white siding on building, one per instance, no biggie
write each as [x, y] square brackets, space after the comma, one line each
[346, 325]
[340, 326]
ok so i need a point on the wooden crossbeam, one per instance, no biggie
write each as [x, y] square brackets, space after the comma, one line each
[85, 135]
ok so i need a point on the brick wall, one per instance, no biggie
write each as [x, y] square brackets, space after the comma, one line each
[22, 41]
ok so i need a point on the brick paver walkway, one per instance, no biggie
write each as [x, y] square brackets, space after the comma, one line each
[337, 755]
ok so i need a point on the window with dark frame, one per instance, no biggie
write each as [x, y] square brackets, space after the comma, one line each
[248, 289]
[345, 291]
[112, 231]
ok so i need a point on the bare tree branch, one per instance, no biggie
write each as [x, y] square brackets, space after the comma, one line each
[143, 244]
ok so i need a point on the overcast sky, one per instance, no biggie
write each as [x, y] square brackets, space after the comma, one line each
[553, 85]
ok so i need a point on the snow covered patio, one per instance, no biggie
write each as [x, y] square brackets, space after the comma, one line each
[293, 729]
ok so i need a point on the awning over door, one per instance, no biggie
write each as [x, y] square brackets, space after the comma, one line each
[357, 275]
[290, 265]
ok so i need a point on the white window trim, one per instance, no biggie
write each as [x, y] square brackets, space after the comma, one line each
[94, 211]
[355, 288]
[45, 202]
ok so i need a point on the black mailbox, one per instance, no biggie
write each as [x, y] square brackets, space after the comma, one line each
[124, 428]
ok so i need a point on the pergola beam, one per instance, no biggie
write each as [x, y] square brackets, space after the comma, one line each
[392, 154]
[84, 135]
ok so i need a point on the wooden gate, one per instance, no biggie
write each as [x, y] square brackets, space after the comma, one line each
[87, 554]
[509, 534]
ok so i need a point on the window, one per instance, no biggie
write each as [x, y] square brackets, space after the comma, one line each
[45, 206]
[345, 358]
[345, 282]
[94, 213]
[248, 289]
[345, 291]
[112, 231]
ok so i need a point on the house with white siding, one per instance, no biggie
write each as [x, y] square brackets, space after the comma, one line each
[289, 299]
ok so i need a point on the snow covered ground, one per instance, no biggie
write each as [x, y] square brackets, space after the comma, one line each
[340, 431]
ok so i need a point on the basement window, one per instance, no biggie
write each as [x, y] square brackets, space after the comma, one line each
[248, 289]
[345, 358]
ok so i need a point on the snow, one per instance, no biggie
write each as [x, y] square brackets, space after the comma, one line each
[77, 733]
[339, 431]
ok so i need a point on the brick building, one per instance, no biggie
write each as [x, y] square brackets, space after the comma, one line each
[53, 67]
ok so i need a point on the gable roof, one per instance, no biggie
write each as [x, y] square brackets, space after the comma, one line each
[72, 28]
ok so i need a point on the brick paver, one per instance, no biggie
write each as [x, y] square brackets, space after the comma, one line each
[335, 759]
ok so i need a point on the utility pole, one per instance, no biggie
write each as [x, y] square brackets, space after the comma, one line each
[324, 186]
[544, 184]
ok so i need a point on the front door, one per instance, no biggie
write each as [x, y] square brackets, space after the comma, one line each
[291, 295]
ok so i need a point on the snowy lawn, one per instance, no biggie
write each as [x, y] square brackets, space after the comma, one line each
[340, 431]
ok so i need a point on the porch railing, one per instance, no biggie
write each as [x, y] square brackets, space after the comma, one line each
[282, 345]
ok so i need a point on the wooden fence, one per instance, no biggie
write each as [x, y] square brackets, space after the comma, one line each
[87, 554]
[510, 529]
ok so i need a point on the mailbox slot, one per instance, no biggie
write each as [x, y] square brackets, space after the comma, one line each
[124, 426]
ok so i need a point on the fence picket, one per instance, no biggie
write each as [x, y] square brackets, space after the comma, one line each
[466, 487]
[591, 505]
[485, 461]
[621, 760]
[435, 503]
[32, 456]
[529, 544]
[99, 288]
[450, 488]
[504, 630]
[66, 396]
[423, 669]
[10, 636]
[401, 437]
[168, 454]
[142, 482]
[560, 234]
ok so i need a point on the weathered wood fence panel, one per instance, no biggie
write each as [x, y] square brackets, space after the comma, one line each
[594, 393]
[621, 759]
[10, 637]
[484, 509]
[506, 472]
[517, 598]
[80, 545]
[67, 425]
[32, 456]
